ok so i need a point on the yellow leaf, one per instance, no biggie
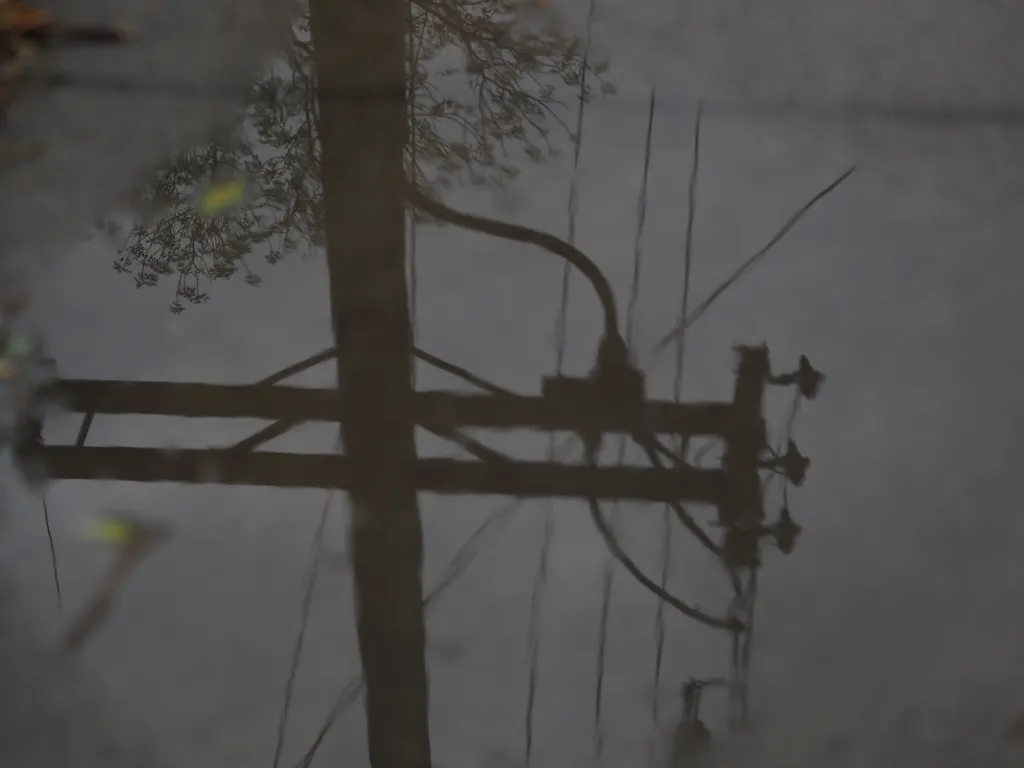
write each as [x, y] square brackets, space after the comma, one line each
[221, 197]
[116, 531]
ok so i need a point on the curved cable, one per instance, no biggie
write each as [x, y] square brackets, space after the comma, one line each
[731, 624]
[53, 551]
[680, 512]
[519, 233]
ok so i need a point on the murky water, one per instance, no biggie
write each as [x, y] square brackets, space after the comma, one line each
[886, 637]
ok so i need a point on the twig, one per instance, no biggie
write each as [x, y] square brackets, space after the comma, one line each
[99, 607]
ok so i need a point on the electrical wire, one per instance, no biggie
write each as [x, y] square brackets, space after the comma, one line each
[677, 391]
[684, 517]
[665, 559]
[641, 223]
[462, 559]
[307, 602]
[561, 329]
[53, 551]
[747, 645]
[611, 541]
[691, 214]
[606, 602]
[518, 233]
[751, 262]
[608, 576]
[351, 691]
[533, 626]
[496, 523]
[742, 646]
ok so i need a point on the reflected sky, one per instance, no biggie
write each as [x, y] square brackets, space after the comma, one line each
[884, 639]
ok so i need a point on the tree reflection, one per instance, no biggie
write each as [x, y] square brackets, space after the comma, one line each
[484, 97]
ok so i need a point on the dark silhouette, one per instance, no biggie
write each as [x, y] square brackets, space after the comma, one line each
[511, 74]
[340, 143]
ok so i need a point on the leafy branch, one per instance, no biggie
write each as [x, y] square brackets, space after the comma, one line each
[483, 100]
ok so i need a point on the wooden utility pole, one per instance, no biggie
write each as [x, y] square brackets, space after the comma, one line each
[360, 46]
[360, 57]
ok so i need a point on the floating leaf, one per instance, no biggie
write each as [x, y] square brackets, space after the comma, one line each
[113, 530]
[125, 529]
[221, 197]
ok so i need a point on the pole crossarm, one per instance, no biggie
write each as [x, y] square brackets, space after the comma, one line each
[444, 476]
[451, 409]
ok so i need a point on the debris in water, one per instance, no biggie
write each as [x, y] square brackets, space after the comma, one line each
[123, 528]
[135, 538]
[112, 530]
[221, 197]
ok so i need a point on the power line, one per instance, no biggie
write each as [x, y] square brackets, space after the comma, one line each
[518, 233]
[53, 551]
[615, 547]
[607, 581]
[752, 261]
[307, 602]
[497, 521]
[561, 329]
[561, 323]
[666, 547]
[641, 223]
